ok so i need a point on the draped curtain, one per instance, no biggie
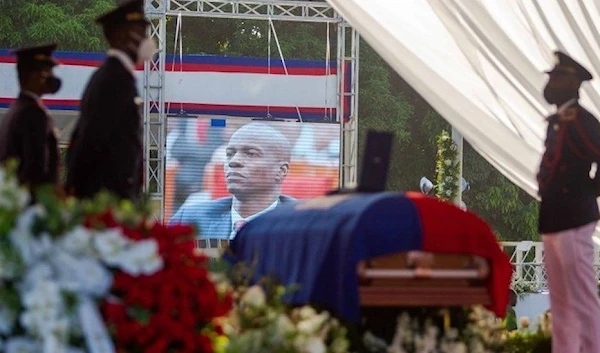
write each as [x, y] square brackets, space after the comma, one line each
[481, 63]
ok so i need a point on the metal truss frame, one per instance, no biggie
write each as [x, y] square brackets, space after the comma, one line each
[155, 117]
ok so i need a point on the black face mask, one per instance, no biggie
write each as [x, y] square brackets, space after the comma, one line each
[555, 95]
[53, 84]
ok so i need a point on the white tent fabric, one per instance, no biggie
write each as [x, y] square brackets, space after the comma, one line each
[481, 63]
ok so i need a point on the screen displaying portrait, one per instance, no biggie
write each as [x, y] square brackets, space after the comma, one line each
[223, 172]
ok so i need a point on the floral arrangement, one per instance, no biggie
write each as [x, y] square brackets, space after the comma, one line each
[447, 168]
[100, 276]
[461, 330]
[455, 330]
[97, 276]
[262, 323]
[523, 287]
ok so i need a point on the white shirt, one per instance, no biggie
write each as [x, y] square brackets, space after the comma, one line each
[235, 216]
[566, 105]
[31, 94]
[123, 58]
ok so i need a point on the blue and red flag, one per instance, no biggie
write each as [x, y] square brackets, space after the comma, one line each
[318, 244]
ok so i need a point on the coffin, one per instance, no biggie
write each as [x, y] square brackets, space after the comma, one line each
[352, 251]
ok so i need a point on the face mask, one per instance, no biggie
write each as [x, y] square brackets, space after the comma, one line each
[554, 95]
[53, 84]
[145, 48]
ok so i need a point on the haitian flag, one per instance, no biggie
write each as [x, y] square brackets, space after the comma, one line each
[318, 244]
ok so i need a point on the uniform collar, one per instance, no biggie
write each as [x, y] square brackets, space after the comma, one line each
[562, 108]
[35, 97]
[30, 94]
[123, 58]
[566, 105]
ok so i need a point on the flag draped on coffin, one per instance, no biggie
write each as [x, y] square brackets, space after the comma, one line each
[319, 243]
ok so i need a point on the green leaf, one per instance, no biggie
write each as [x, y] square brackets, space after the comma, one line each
[140, 314]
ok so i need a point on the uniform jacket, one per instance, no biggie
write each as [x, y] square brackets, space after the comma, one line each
[212, 218]
[27, 134]
[106, 146]
[568, 193]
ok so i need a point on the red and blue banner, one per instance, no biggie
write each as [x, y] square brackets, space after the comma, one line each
[209, 85]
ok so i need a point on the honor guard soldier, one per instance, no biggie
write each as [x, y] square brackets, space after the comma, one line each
[569, 211]
[27, 132]
[106, 146]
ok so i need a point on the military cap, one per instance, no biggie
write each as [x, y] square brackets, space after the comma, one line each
[566, 64]
[36, 56]
[128, 12]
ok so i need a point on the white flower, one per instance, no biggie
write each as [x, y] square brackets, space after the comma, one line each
[59, 329]
[313, 324]
[22, 345]
[448, 192]
[306, 312]
[22, 238]
[78, 241]
[110, 244]
[448, 179]
[84, 275]
[43, 306]
[42, 246]
[23, 198]
[524, 322]
[37, 273]
[141, 258]
[448, 162]
[254, 296]
[284, 324]
[314, 345]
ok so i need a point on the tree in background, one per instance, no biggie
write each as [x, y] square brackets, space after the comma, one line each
[386, 101]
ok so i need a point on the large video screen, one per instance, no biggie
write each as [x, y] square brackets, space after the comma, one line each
[224, 172]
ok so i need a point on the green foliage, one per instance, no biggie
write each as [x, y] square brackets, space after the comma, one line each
[70, 23]
[523, 342]
[446, 168]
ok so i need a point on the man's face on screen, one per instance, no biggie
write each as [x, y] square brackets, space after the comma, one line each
[251, 165]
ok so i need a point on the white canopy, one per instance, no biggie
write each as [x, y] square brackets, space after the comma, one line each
[481, 63]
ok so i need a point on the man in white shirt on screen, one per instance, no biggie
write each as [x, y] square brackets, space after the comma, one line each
[257, 161]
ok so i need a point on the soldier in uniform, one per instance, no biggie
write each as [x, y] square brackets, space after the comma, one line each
[106, 146]
[27, 132]
[569, 211]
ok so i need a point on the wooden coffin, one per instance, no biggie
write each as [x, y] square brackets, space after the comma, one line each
[423, 279]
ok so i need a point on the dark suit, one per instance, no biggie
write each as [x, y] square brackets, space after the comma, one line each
[212, 218]
[568, 194]
[106, 146]
[27, 134]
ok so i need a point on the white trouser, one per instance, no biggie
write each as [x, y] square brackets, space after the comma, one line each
[572, 280]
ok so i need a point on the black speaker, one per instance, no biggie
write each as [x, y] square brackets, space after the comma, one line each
[376, 161]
